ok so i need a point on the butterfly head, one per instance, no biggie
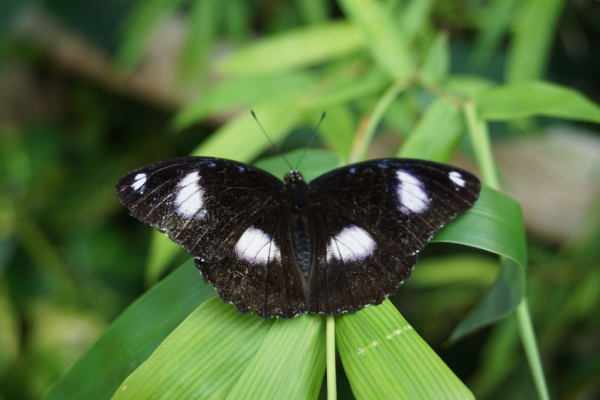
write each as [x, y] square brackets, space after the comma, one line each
[297, 190]
[293, 177]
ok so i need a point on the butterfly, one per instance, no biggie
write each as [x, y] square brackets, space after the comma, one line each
[346, 240]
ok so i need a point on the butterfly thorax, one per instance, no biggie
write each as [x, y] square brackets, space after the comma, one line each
[297, 191]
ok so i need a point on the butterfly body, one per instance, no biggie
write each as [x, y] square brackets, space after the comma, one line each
[345, 240]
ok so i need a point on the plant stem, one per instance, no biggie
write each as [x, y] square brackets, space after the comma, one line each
[331, 377]
[531, 349]
[483, 152]
[366, 131]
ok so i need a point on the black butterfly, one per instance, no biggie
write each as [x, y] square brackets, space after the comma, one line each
[346, 240]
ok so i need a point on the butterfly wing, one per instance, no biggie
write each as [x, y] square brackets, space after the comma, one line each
[261, 272]
[350, 269]
[204, 204]
[401, 203]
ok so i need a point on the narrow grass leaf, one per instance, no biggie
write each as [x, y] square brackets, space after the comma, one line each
[142, 21]
[130, 340]
[319, 43]
[242, 92]
[314, 11]
[533, 33]
[437, 134]
[384, 358]
[290, 364]
[535, 98]
[203, 358]
[385, 42]
[437, 61]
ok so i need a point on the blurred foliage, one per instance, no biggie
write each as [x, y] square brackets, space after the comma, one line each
[71, 260]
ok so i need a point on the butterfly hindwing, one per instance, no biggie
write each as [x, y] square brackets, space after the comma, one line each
[351, 269]
[261, 273]
[401, 203]
[204, 204]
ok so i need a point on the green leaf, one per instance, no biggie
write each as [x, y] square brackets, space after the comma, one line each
[493, 22]
[446, 271]
[415, 17]
[338, 130]
[437, 60]
[130, 340]
[494, 224]
[280, 52]
[535, 98]
[243, 92]
[315, 163]
[9, 334]
[219, 353]
[142, 21]
[202, 21]
[437, 134]
[467, 85]
[241, 138]
[384, 358]
[386, 43]
[314, 11]
[533, 34]
[162, 252]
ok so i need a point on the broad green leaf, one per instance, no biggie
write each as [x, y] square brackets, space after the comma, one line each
[384, 358]
[415, 16]
[494, 224]
[436, 64]
[162, 251]
[315, 163]
[142, 21]
[203, 19]
[437, 134]
[218, 353]
[295, 49]
[535, 98]
[242, 92]
[130, 340]
[533, 34]
[290, 363]
[386, 43]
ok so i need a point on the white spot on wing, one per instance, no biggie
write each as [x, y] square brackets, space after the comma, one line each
[138, 183]
[189, 199]
[256, 247]
[351, 244]
[457, 178]
[412, 195]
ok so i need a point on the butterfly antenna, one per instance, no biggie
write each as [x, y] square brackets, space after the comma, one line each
[274, 145]
[311, 139]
